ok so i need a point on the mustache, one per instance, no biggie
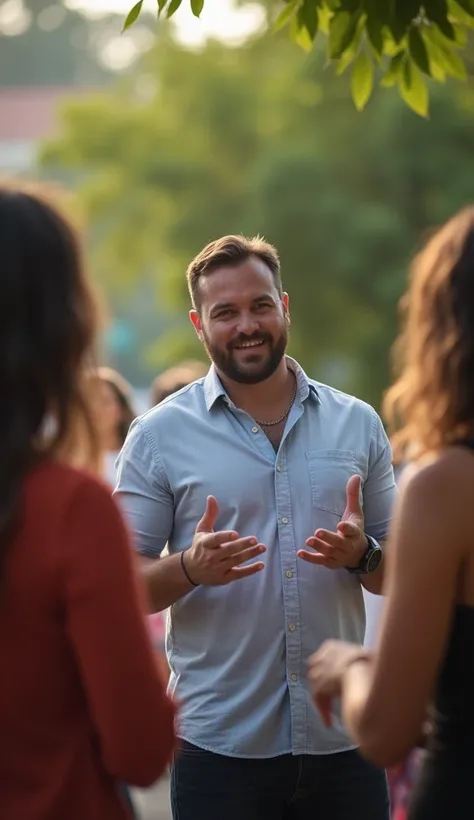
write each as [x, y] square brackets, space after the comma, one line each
[256, 337]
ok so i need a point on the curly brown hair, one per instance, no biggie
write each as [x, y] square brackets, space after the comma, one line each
[431, 404]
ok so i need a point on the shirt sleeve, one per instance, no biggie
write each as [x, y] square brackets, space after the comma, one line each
[379, 491]
[143, 492]
[105, 622]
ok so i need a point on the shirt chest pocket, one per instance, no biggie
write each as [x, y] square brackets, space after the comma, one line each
[329, 472]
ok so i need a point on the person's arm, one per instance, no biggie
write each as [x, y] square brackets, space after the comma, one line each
[147, 500]
[165, 581]
[384, 699]
[379, 494]
[105, 621]
[145, 497]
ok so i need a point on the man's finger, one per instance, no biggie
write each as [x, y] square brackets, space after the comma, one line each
[209, 518]
[228, 550]
[321, 537]
[245, 555]
[237, 573]
[318, 558]
[348, 529]
[217, 539]
[353, 505]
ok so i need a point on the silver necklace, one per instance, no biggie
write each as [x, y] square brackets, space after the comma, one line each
[285, 414]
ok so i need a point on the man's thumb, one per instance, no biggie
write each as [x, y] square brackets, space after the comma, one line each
[209, 518]
[353, 495]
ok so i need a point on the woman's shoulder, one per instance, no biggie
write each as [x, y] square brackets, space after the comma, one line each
[53, 480]
[439, 486]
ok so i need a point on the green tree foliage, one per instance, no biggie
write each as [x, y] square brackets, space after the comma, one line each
[404, 42]
[264, 139]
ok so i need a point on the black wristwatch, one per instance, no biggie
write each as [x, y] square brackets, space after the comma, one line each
[370, 561]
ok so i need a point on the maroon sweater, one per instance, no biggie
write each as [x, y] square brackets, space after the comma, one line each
[82, 704]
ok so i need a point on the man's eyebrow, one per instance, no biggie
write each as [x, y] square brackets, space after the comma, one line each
[226, 305]
[221, 306]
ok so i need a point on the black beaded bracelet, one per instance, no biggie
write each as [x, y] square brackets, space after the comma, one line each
[183, 566]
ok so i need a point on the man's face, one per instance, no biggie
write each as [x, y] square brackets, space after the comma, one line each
[242, 321]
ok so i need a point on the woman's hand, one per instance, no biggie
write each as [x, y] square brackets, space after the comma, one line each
[326, 671]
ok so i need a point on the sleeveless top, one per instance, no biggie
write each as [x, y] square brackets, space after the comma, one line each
[444, 787]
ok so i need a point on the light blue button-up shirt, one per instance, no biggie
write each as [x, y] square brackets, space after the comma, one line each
[238, 652]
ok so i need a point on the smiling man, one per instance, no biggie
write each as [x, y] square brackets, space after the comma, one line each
[273, 492]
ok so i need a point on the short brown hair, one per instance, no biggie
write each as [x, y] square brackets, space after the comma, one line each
[432, 401]
[230, 251]
[175, 378]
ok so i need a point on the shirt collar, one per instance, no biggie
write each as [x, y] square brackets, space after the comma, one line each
[214, 389]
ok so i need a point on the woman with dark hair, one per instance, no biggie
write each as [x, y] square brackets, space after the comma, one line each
[425, 651]
[82, 705]
[114, 413]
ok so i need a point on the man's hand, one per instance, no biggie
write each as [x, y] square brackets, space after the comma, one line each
[347, 546]
[215, 558]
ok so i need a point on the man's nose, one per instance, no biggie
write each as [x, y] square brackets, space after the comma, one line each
[247, 324]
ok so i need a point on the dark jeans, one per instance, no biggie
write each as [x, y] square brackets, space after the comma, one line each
[342, 786]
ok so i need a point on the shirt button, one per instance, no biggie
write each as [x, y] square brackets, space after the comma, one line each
[289, 573]
[292, 627]
[284, 521]
[294, 677]
[254, 429]
[278, 468]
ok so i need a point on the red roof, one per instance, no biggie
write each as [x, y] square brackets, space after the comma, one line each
[30, 113]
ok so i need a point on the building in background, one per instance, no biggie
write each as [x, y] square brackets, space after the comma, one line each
[28, 114]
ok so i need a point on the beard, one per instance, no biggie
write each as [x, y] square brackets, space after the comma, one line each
[253, 366]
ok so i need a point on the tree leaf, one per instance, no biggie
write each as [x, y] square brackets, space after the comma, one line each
[362, 80]
[300, 35]
[466, 5]
[161, 5]
[342, 29]
[392, 74]
[443, 54]
[375, 33]
[463, 11]
[173, 7]
[413, 89]
[132, 15]
[418, 50]
[437, 12]
[352, 50]
[285, 15]
[197, 7]
[308, 17]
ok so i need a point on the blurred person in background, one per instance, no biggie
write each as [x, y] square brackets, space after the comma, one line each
[82, 705]
[256, 461]
[175, 378]
[425, 652]
[113, 407]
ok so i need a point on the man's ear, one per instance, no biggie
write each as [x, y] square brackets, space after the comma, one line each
[196, 322]
[285, 300]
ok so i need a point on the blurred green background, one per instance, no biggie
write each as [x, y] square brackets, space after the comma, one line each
[170, 140]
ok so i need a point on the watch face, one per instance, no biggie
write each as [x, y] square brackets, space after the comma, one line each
[374, 559]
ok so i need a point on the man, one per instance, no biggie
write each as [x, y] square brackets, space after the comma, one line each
[270, 489]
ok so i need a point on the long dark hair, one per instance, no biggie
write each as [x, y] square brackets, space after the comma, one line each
[48, 318]
[431, 405]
